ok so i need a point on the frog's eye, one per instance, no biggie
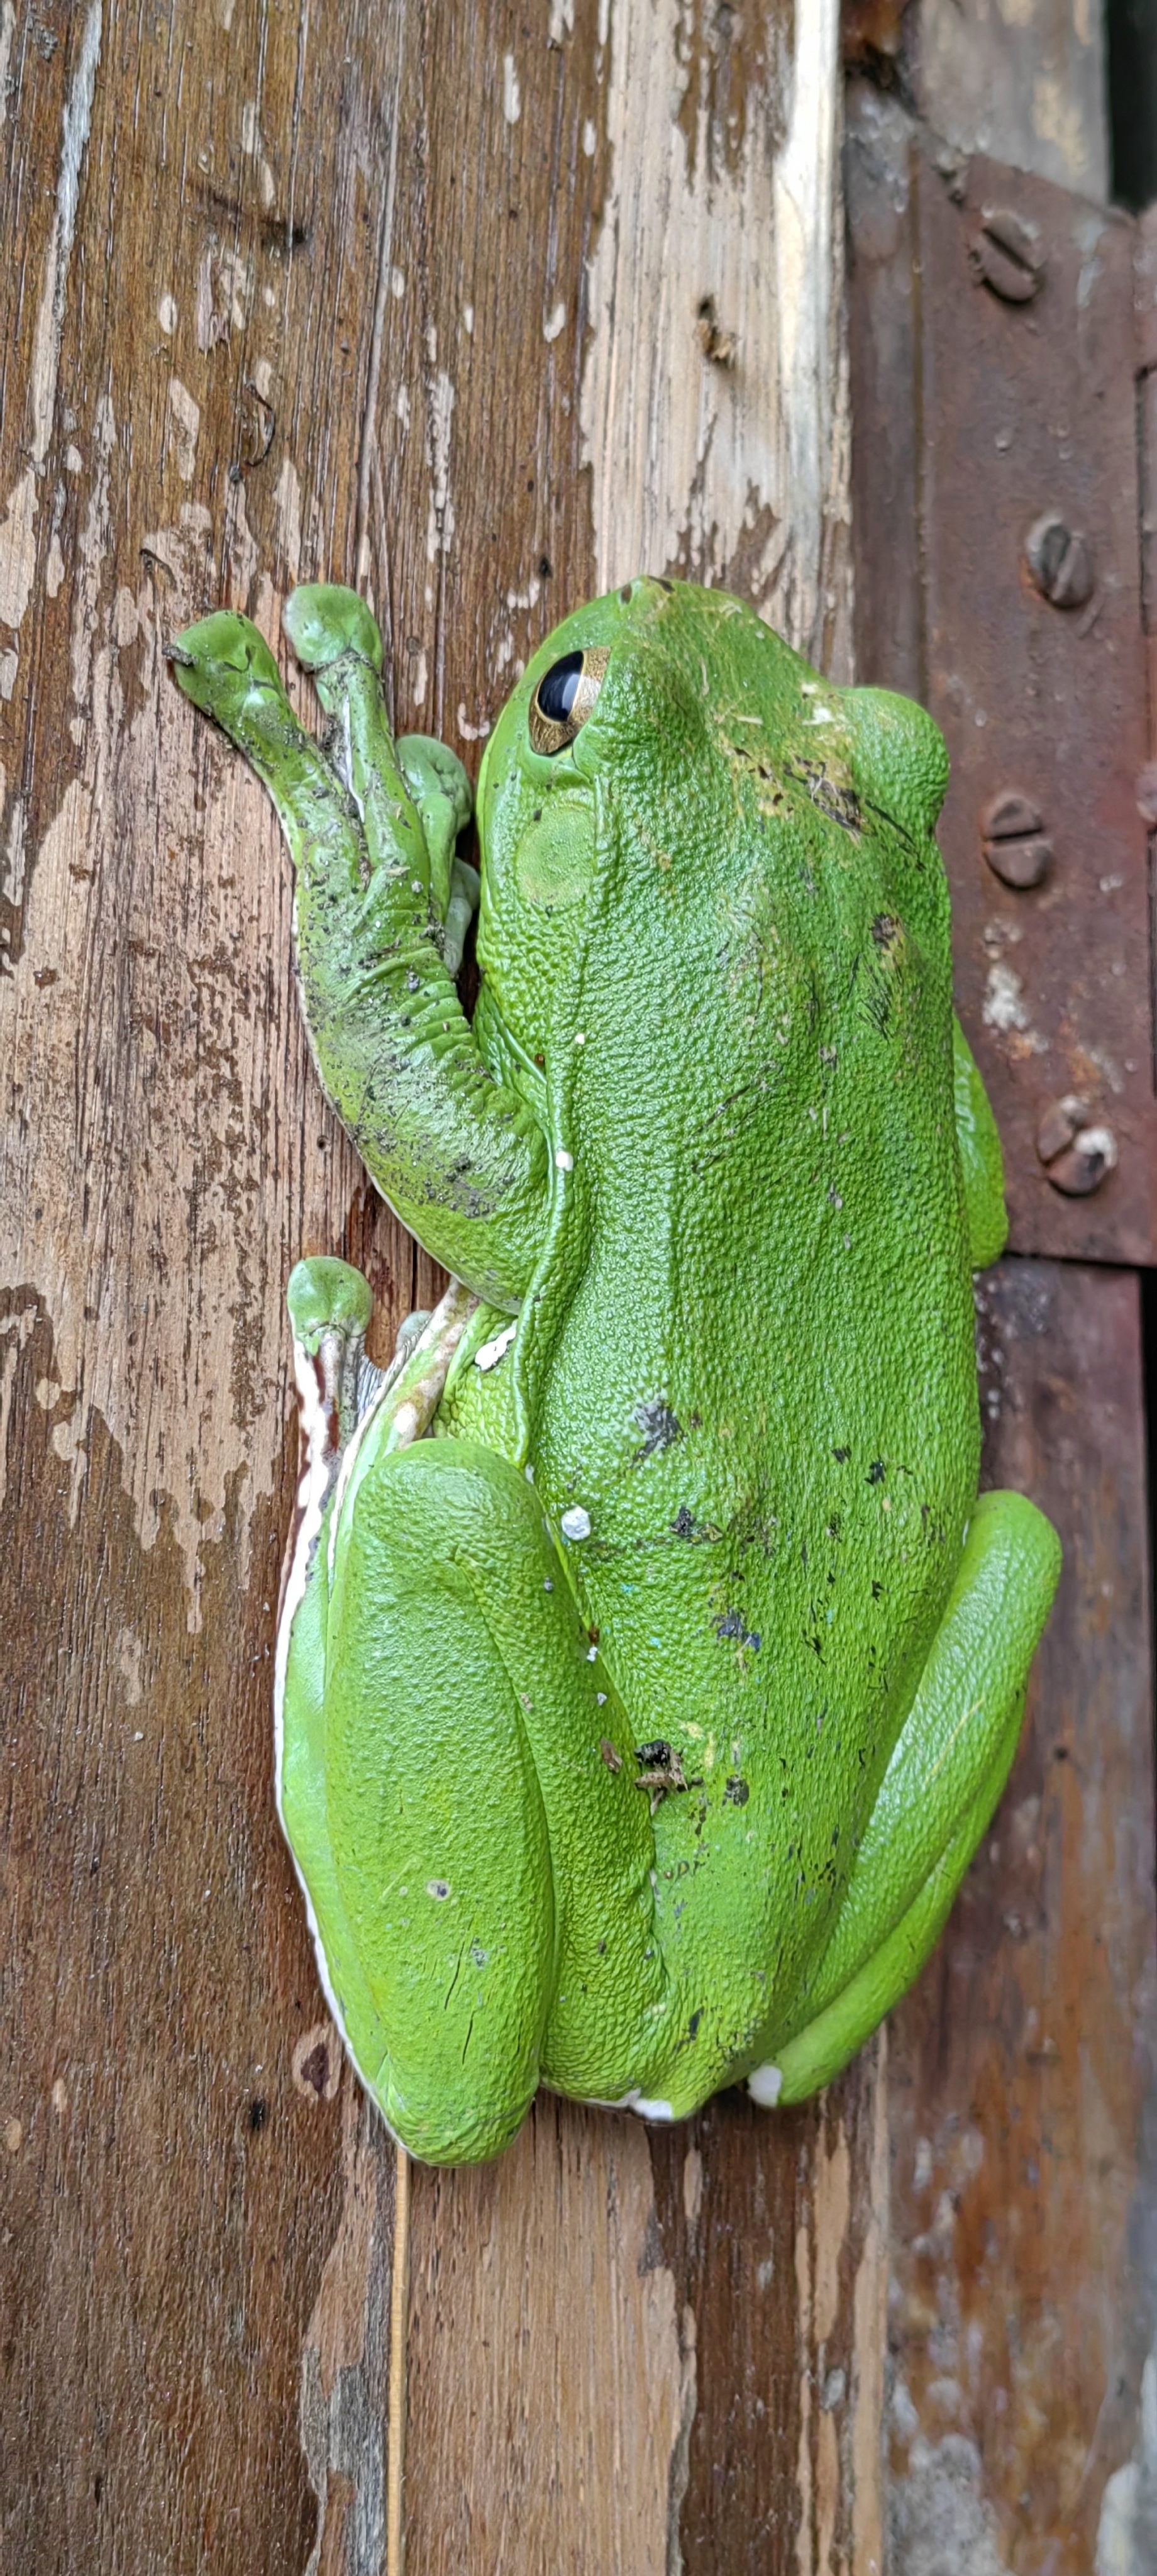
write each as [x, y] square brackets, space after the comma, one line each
[564, 698]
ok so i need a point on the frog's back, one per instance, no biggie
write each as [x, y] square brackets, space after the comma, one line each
[750, 1369]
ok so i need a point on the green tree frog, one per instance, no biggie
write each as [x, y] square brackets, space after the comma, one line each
[649, 1667]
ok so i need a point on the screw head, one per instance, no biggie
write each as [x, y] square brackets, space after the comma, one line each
[1012, 840]
[1059, 560]
[1077, 1157]
[1006, 256]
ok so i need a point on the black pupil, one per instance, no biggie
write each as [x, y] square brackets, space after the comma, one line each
[556, 692]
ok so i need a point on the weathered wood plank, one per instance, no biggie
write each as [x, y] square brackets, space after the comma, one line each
[1023, 2068]
[1024, 2292]
[427, 307]
[1027, 84]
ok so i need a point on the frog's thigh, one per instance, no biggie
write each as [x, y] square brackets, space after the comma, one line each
[944, 1778]
[466, 1794]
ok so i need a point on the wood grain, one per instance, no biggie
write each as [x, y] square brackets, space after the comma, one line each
[1023, 2303]
[1023, 2070]
[388, 295]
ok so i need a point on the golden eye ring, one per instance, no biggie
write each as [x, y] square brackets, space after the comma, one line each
[566, 695]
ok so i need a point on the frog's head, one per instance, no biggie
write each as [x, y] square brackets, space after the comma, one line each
[671, 717]
[538, 800]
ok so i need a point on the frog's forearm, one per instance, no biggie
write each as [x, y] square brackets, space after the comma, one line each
[457, 1154]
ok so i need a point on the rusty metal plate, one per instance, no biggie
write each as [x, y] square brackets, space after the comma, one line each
[1034, 667]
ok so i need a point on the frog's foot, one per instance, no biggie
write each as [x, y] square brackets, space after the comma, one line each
[334, 636]
[339, 1389]
[457, 1788]
[936, 1798]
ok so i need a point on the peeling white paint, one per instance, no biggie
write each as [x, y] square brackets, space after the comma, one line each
[561, 21]
[554, 321]
[1127, 2528]
[167, 315]
[7, 29]
[184, 423]
[590, 139]
[94, 547]
[9, 666]
[511, 94]
[18, 549]
[1004, 1006]
[756, 470]
[287, 504]
[17, 531]
[90, 1206]
[440, 516]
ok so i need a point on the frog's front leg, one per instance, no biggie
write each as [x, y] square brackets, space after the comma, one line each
[937, 1796]
[456, 1776]
[379, 909]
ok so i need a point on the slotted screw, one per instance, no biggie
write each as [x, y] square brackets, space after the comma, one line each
[1006, 256]
[1012, 839]
[1059, 560]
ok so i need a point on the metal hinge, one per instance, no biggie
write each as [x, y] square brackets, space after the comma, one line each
[999, 534]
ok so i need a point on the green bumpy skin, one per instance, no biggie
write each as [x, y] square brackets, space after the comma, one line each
[637, 1724]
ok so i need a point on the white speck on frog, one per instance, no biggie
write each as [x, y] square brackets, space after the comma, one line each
[491, 1352]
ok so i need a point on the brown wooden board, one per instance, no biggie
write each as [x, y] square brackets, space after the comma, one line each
[413, 296]
[1023, 2068]
[1021, 2087]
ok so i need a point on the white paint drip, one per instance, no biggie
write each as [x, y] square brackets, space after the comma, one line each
[17, 531]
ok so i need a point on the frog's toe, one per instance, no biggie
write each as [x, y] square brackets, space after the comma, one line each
[323, 621]
[327, 1296]
[219, 659]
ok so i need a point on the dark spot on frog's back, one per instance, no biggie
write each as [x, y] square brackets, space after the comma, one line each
[737, 1792]
[730, 1629]
[660, 1428]
[887, 931]
[683, 1524]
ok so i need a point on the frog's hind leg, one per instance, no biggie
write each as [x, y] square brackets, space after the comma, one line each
[480, 1868]
[455, 1773]
[936, 1798]
[341, 1396]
